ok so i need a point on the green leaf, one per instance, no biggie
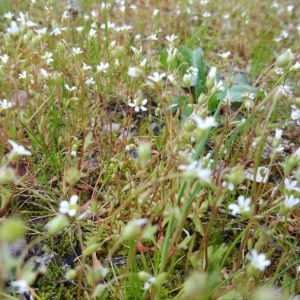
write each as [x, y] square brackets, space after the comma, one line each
[194, 59]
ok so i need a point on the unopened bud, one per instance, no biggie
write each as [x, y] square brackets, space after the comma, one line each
[284, 59]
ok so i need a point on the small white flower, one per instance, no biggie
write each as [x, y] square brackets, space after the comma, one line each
[79, 28]
[102, 67]
[86, 67]
[18, 149]
[278, 134]
[193, 71]
[219, 86]
[152, 37]
[171, 38]
[92, 33]
[155, 12]
[291, 185]
[243, 206]
[295, 115]
[69, 207]
[172, 79]
[23, 75]
[143, 62]
[194, 170]
[259, 261]
[108, 25]
[41, 31]
[90, 81]
[206, 14]
[8, 15]
[4, 104]
[48, 57]
[57, 31]
[139, 104]
[13, 28]
[206, 123]
[70, 89]
[224, 55]
[4, 58]
[291, 201]
[157, 77]
[148, 283]
[76, 50]
[44, 73]
[21, 285]
[136, 51]
[296, 66]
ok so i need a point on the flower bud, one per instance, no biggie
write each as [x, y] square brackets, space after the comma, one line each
[11, 230]
[7, 175]
[144, 276]
[284, 59]
[211, 78]
[135, 72]
[57, 224]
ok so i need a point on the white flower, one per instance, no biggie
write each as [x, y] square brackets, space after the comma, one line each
[92, 33]
[291, 185]
[41, 31]
[157, 77]
[242, 206]
[86, 67]
[148, 283]
[136, 51]
[206, 123]
[259, 261]
[69, 207]
[57, 31]
[18, 149]
[171, 54]
[143, 62]
[80, 28]
[278, 134]
[219, 86]
[13, 28]
[225, 55]
[172, 79]
[48, 57]
[8, 15]
[139, 104]
[291, 201]
[193, 71]
[295, 115]
[21, 285]
[76, 50]
[155, 12]
[108, 25]
[171, 38]
[90, 81]
[70, 89]
[135, 72]
[152, 37]
[296, 66]
[4, 104]
[4, 58]
[194, 170]
[102, 67]
[44, 73]
[23, 75]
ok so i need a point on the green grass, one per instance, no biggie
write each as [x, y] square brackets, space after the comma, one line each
[150, 222]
